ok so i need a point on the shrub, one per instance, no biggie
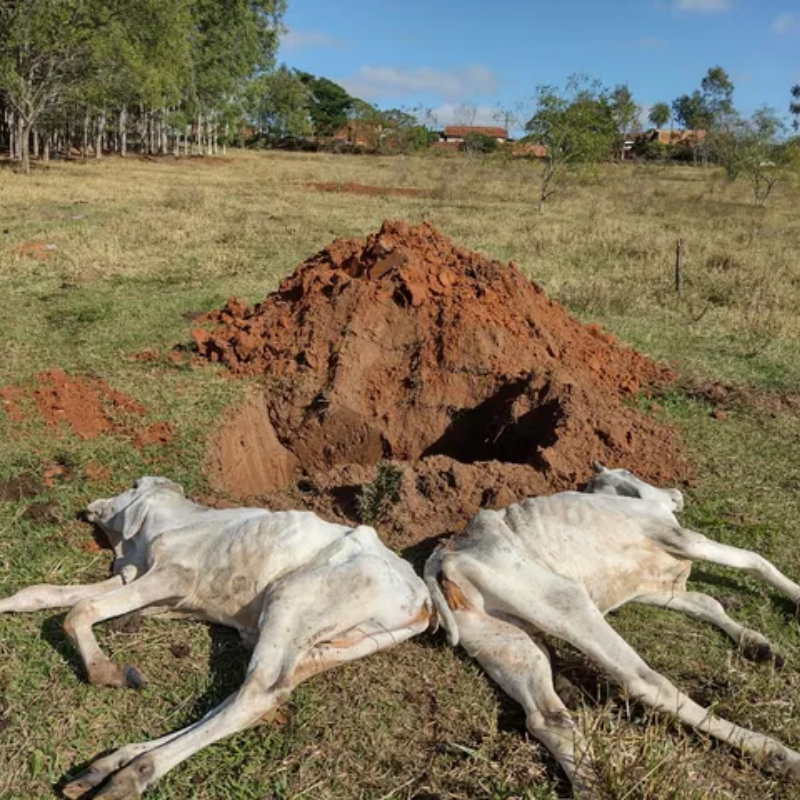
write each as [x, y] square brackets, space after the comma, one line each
[376, 499]
[479, 143]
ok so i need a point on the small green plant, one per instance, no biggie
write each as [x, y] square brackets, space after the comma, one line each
[376, 498]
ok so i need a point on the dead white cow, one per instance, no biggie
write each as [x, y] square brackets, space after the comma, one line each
[307, 594]
[555, 565]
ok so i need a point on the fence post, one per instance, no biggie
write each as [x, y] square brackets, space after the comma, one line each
[679, 267]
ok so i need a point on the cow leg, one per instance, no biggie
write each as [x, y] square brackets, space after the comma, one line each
[522, 669]
[36, 598]
[695, 546]
[315, 618]
[706, 608]
[156, 586]
[562, 608]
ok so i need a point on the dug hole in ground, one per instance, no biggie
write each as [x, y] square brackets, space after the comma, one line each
[457, 369]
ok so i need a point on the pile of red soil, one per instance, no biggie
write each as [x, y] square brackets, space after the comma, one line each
[405, 347]
[86, 406]
[360, 188]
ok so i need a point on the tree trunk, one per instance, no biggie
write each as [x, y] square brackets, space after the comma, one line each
[123, 131]
[164, 132]
[46, 148]
[85, 143]
[19, 135]
[151, 125]
[35, 139]
[101, 129]
[24, 144]
[141, 126]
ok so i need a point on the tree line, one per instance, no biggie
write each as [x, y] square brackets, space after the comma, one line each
[100, 75]
[287, 106]
[189, 76]
[585, 123]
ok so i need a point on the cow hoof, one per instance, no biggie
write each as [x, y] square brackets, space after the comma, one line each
[83, 784]
[133, 678]
[122, 792]
[755, 647]
[129, 782]
[76, 789]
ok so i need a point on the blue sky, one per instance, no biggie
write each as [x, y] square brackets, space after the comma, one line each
[443, 53]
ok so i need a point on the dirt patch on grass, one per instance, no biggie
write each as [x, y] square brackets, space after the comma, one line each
[725, 396]
[158, 434]
[21, 487]
[85, 406]
[41, 251]
[405, 347]
[360, 188]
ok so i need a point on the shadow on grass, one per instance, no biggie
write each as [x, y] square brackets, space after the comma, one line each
[53, 634]
[227, 666]
[228, 662]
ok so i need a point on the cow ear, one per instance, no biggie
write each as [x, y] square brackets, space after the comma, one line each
[627, 490]
[130, 520]
[599, 468]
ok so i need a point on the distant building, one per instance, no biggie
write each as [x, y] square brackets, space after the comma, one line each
[530, 149]
[457, 133]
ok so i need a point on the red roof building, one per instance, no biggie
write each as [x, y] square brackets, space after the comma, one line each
[665, 136]
[457, 133]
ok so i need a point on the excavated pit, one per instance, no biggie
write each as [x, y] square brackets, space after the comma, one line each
[405, 347]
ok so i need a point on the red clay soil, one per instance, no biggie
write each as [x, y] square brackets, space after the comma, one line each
[38, 250]
[360, 188]
[405, 347]
[158, 434]
[86, 406]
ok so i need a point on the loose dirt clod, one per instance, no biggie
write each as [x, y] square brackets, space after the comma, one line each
[159, 433]
[405, 347]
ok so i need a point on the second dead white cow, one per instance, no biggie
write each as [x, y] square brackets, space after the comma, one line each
[555, 565]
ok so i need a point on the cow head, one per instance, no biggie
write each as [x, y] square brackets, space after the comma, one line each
[624, 483]
[123, 516]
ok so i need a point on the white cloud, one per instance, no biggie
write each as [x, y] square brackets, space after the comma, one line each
[380, 82]
[296, 40]
[703, 6]
[448, 114]
[788, 22]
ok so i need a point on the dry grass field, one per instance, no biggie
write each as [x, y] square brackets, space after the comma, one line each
[142, 245]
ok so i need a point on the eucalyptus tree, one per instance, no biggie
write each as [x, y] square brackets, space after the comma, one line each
[231, 41]
[98, 70]
[278, 103]
[44, 48]
[625, 111]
